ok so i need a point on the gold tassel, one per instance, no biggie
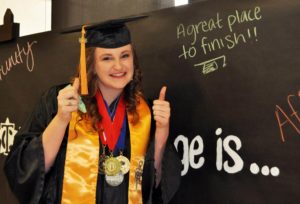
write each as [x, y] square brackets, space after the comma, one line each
[82, 64]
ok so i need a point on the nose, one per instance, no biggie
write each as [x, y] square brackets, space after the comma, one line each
[118, 65]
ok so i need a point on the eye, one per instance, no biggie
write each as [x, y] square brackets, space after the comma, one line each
[106, 58]
[125, 55]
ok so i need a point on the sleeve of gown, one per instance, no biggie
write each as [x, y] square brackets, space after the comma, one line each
[170, 178]
[25, 165]
[170, 175]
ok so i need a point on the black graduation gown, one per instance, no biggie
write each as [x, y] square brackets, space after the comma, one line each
[25, 165]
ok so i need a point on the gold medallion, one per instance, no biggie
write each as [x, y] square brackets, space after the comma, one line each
[125, 164]
[101, 168]
[112, 166]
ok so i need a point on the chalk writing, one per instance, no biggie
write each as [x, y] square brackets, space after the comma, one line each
[202, 43]
[201, 27]
[20, 56]
[214, 24]
[284, 119]
[243, 16]
[212, 64]
[230, 41]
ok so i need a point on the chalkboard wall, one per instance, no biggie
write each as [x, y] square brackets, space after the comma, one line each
[232, 71]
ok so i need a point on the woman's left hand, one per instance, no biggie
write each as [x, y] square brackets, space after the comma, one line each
[161, 110]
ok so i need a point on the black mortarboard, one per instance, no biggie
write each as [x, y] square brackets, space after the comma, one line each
[108, 34]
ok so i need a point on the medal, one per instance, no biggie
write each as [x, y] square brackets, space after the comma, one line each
[125, 164]
[101, 164]
[114, 180]
[138, 174]
[112, 166]
[102, 159]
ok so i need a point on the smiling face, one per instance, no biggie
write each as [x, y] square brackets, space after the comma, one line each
[114, 68]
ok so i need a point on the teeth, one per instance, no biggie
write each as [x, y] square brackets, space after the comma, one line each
[118, 74]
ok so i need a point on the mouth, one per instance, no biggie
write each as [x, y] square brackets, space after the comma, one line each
[118, 75]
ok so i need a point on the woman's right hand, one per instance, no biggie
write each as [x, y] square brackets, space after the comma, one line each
[68, 100]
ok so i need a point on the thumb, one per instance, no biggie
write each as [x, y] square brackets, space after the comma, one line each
[162, 94]
[76, 83]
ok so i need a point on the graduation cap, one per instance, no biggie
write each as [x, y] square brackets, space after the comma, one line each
[108, 34]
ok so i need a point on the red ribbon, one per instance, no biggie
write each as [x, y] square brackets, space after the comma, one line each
[109, 130]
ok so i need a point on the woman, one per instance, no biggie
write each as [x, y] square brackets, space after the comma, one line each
[104, 154]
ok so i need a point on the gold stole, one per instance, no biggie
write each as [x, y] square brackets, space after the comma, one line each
[82, 158]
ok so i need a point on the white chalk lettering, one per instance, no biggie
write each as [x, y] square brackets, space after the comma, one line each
[18, 58]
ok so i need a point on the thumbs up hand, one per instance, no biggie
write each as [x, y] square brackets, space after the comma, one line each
[161, 110]
[68, 100]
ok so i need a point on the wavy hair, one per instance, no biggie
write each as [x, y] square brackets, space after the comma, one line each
[132, 91]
